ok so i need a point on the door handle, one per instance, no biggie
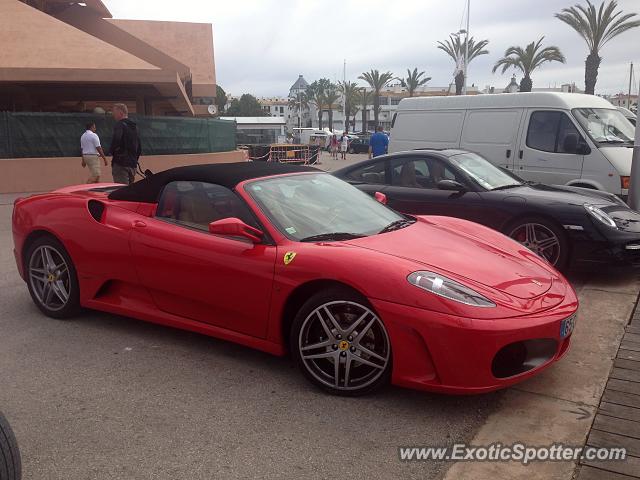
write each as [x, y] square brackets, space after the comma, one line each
[139, 223]
[508, 153]
[520, 154]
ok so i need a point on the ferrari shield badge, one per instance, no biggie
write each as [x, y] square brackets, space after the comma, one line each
[288, 257]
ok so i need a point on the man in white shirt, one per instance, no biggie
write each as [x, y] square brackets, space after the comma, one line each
[92, 152]
[344, 145]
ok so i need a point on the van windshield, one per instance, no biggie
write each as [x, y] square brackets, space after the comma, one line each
[484, 172]
[605, 125]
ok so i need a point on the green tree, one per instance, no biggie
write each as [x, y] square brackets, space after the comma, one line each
[299, 103]
[315, 94]
[349, 91]
[413, 80]
[364, 100]
[596, 27]
[455, 48]
[246, 106]
[331, 97]
[377, 81]
[221, 99]
[527, 60]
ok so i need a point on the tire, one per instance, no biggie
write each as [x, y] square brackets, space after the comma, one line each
[556, 253]
[319, 340]
[52, 278]
[10, 463]
[351, 151]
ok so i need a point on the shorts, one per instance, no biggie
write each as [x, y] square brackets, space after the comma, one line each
[122, 174]
[93, 164]
[343, 148]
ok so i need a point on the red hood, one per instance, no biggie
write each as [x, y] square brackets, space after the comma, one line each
[467, 250]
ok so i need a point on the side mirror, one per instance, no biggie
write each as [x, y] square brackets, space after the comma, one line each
[451, 185]
[234, 227]
[381, 197]
[583, 149]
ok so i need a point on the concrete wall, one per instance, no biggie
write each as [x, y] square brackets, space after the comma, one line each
[43, 174]
[30, 38]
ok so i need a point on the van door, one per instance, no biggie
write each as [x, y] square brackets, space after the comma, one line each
[493, 134]
[547, 148]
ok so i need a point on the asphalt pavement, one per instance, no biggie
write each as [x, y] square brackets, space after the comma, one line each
[107, 397]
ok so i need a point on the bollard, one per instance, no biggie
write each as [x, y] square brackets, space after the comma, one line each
[634, 181]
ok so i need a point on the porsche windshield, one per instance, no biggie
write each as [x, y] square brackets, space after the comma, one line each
[483, 172]
[320, 206]
[605, 125]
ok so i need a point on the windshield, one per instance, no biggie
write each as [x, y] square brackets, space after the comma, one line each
[303, 206]
[483, 172]
[605, 125]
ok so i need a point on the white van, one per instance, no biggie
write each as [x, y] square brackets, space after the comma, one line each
[554, 138]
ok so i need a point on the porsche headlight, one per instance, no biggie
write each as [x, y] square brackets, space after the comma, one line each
[600, 215]
[447, 288]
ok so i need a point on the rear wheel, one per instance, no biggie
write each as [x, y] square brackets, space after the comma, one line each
[542, 237]
[51, 278]
[340, 343]
[351, 150]
[10, 464]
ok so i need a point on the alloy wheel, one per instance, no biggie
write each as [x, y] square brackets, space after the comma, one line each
[540, 239]
[344, 345]
[49, 277]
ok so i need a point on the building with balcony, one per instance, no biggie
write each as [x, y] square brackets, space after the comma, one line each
[72, 56]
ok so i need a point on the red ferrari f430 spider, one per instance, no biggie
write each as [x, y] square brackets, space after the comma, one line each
[291, 259]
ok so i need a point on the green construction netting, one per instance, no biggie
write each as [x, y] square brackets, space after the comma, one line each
[33, 134]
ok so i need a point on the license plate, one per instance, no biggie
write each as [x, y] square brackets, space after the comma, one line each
[566, 326]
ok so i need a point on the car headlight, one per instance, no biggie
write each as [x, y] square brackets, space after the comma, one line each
[447, 288]
[600, 215]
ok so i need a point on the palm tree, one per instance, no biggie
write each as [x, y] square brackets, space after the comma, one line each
[315, 94]
[528, 60]
[364, 100]
[299, 103]
[377, 81]
[596, 28]
[349, 91]
[331, 96]
[455, 48]
[413, 80]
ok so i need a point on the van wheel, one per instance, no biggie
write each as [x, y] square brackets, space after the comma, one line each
[543, 237]
[10, 464]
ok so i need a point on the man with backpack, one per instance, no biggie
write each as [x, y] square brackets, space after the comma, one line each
[125, 146]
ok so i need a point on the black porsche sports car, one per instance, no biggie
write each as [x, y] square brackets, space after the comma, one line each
[568, 226]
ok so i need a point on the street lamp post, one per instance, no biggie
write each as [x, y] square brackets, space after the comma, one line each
[466, 49]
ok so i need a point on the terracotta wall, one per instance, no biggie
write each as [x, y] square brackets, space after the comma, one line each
[42, 174]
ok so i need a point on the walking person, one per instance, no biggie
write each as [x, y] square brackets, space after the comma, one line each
[378, 143]
[334, 146]
[125, 146]
[92, 152]
[344, 145]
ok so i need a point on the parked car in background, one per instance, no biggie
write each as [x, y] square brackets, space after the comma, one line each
[358, 145]
[568, 226]
[294, 260]
[10, 462]
[629, 115]
[559, 138]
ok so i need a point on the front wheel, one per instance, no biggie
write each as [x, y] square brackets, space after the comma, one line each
[10, 464]
[340, 343]
[542, 237]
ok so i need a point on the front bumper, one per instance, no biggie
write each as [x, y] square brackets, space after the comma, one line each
[444, 353]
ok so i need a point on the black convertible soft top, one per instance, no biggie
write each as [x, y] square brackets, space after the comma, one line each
[225, 174]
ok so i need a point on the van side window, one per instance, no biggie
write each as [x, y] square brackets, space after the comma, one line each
[548, 131]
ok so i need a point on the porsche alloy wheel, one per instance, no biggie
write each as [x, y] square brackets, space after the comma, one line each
[51, 278]
[342, 345]
[542, 238]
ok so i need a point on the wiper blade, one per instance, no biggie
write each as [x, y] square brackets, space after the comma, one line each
[504, 187]
[331, 236]
[397, 225]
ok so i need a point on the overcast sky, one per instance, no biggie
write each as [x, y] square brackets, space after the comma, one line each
[262, 45]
